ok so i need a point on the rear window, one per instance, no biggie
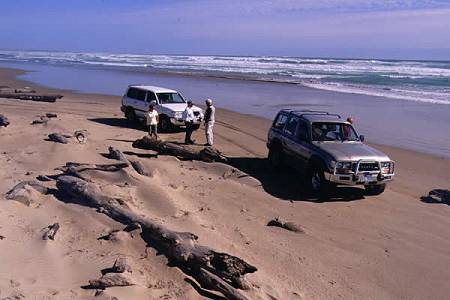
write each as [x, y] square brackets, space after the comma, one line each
[137, 94]
[280, 121]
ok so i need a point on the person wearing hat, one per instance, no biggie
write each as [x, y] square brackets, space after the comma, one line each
[188, 117]
[209, 122]
[152, 120]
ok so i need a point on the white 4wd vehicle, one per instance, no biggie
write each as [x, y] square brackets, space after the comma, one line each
[169, 105]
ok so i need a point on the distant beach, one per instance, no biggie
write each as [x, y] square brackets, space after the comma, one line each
[419, 125]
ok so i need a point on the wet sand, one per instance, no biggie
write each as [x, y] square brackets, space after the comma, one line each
[392, 246]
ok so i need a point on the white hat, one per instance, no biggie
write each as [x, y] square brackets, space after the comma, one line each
[209, 101]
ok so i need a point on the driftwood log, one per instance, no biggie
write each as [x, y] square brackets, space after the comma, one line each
[213, 270]
[116, 154]
[51, 115]
[11, 194]
[58, 138]
[4, 121]
[40, 120]
[207, 154]
[31, 96]
[74, 168]
[51, 231]
[139, 167]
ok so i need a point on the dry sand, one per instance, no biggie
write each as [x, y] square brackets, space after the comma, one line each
[392, 246]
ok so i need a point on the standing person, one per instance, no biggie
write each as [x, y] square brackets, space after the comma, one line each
[188, 117]
[152, 121]
[209, 122]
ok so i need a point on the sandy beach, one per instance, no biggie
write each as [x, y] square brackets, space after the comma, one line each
[392, 246]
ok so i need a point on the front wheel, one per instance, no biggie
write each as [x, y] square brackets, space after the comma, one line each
[130, 114]
[375, 189]
[164, 124]
[317, 181]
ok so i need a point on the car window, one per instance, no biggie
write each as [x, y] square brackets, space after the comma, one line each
[140, 95]
[322, 131]
[151, 96]
[132, 93]
[280, 121]
[165, 98]
[302, 131]
[291, 126]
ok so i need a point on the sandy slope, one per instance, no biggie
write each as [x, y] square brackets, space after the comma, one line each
[391, 246]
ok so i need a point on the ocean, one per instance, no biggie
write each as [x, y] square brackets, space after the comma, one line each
[421, 81]
[399, 103]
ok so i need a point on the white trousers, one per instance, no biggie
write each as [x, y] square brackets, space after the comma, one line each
[209, 132]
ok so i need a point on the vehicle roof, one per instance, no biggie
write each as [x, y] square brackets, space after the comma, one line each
[315, 116]
[155, 89]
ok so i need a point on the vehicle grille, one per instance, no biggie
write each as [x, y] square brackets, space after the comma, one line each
[368, 166]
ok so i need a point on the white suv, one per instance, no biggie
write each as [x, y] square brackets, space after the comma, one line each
[169, 105]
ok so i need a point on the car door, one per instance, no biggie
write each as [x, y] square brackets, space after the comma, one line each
[289, 140]
[296, 141]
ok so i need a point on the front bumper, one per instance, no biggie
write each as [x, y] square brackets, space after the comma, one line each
[359, 177]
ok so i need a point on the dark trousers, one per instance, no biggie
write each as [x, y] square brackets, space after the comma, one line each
[189, 130]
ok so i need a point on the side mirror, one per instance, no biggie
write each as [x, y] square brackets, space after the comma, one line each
[362, 138]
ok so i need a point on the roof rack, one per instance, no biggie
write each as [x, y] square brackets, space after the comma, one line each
[313, 112]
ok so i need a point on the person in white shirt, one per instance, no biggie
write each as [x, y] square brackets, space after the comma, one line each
[152, 121]
[188, 117]
[209, 122]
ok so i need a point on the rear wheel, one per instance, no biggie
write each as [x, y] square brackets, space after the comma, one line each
[375, 189]
[130, 114]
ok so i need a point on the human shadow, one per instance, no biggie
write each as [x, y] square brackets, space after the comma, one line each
[125, 123]
[437, 196]
[290, 184]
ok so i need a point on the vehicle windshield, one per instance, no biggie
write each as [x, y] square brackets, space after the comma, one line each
[323, 131]
[165, 98]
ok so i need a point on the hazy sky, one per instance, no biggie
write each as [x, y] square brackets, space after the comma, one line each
[336, 28]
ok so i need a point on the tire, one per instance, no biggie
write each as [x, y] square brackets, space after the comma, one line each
[375, 189]
[317, 182]
[275, 157]
[164, 124]
[130, 114]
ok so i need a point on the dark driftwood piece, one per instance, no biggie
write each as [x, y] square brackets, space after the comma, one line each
[139, 167]
[437, 196]
[41, 120]
[207, 154]
[4, 121]
[51, 232]
[31, 96]
[73, 168]
[286, 225]
[58, 138]
[213, 270]
[51, 115]
[116, 154]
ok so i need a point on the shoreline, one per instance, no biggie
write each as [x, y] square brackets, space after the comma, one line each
[12, 75]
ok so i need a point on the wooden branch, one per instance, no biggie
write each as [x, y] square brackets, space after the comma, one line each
[73, 168]
[51, 232]
[4, 121]
[207, 154]
[181, 248]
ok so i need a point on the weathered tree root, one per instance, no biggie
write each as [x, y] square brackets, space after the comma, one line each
[213, 270]
[207, 154]
[286, 225]
[4, 121]
[51, 232]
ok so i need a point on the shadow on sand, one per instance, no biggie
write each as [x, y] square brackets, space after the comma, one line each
[437, 196]
[124, 123]
[289, 184]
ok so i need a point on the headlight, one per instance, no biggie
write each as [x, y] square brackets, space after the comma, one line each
[344, 167]
[178, 115]
[387, 167]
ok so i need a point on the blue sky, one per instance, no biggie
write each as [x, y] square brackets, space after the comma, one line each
[326, 28]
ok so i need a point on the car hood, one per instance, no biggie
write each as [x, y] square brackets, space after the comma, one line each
[351, 151]
[176, 107]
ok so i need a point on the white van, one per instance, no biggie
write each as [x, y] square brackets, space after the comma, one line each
[169, 105]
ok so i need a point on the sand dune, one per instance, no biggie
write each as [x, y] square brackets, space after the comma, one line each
[392, 246]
